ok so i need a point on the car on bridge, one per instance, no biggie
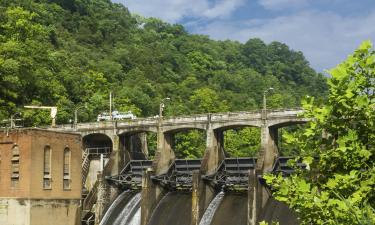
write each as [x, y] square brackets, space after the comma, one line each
[116, 115]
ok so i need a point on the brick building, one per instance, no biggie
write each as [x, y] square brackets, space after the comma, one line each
[40, 177]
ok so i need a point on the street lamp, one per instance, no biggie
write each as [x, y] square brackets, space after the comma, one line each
[265, 101]
[161, 107]
[76, 114]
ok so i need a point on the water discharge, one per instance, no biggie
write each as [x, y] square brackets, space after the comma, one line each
[122, 211]
[211, 209]
[136, 220]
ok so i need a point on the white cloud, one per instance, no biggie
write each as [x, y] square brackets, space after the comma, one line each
[282, 4]
[325, 38]
[175, 10]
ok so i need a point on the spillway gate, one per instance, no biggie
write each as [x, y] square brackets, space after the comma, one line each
[179, 175]
[232, 174]
[131, 175]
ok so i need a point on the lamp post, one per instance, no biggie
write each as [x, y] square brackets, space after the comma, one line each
[76, 114]
[265, 102]
[161, 107]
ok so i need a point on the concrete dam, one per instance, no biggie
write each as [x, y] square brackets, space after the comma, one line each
[122, 187]
[230, 204]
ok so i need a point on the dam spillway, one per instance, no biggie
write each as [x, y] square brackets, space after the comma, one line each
[125, 210]
[173, 209]
[210, 211]
[232, 210]
[175, 204]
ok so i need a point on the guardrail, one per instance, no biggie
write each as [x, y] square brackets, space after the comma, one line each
[94, 151]
[166, 118]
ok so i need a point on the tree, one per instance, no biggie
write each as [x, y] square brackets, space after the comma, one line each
[338, 147]
[207, 100]
[242, 142]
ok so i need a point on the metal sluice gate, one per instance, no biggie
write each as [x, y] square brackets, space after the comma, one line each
[282, 165]
[231, 174]
[131, 175]
[179, 175]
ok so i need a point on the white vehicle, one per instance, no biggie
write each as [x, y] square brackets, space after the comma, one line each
[103, 117]
[116, 115]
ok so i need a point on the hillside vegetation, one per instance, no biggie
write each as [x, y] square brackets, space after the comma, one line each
[73, 53]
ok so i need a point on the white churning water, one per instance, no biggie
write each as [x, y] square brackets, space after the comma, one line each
[136, 219]
[113, 206]
[128, 215]
[129, 212]
[210, 211]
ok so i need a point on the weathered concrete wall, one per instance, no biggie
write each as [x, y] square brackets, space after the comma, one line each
[14, 211]
[151, 195]
[39, 212]
[93, 172]
[56, 212]
[164, 155]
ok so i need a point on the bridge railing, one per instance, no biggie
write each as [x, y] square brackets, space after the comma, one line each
[166, 119]
[97, 151]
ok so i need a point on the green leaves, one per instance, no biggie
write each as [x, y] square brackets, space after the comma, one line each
[338, 186]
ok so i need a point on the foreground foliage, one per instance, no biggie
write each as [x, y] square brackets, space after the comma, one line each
[338, 146]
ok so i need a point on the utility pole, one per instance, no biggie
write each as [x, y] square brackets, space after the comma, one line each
[110, 105]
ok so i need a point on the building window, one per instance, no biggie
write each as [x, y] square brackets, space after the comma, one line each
[15, 177]
[47, 168]
[66, 181]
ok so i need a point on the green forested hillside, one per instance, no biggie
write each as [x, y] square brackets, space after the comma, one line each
[71, 53]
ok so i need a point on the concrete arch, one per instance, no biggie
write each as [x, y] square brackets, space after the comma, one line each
[109, 133]
[96, 139]
[176, 129]
[236, 124]
[136, 130]
[287, 122]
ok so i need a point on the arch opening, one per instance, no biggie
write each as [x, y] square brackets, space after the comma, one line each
[97, 144]
[189, 143]
[241, 141]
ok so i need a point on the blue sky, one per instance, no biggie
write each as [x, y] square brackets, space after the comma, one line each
[326, 31]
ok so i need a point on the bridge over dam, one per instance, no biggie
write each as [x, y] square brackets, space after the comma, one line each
[130, 189]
